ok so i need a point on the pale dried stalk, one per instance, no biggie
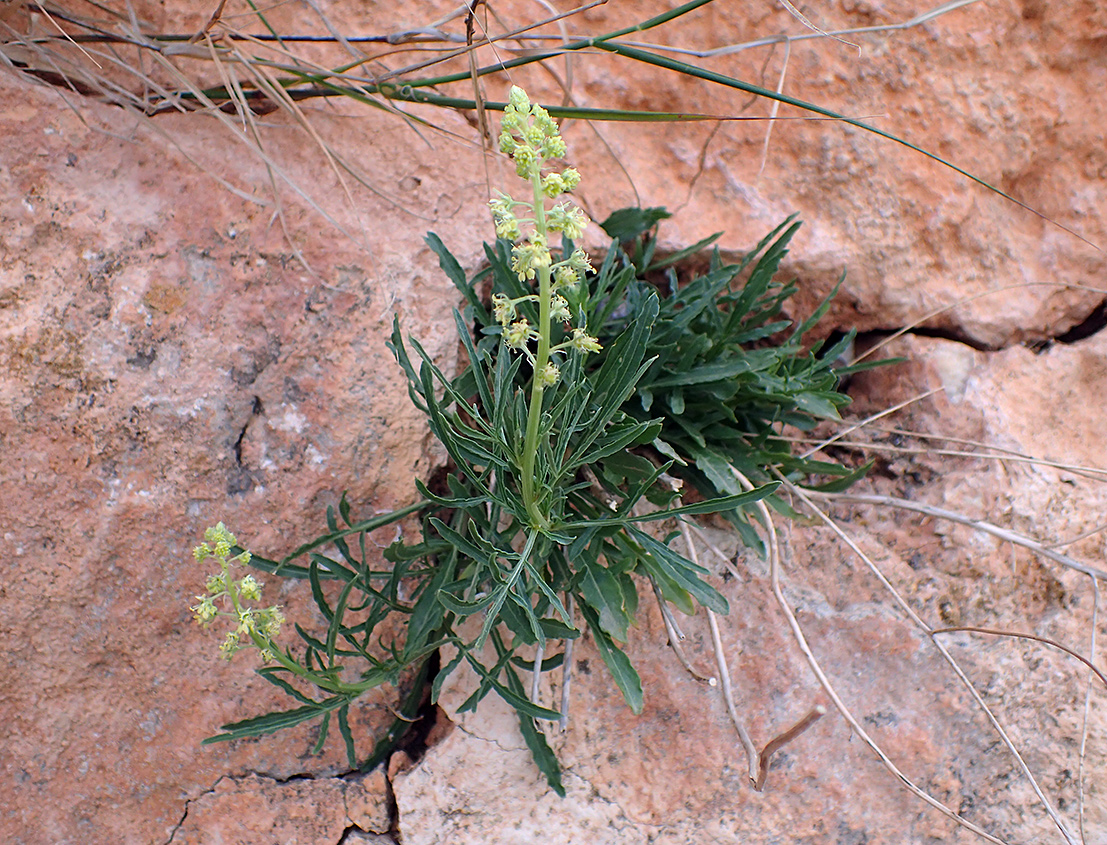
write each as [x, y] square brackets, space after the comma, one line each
[536, 675]
[804, 496]
[728, 696]
[676, 637]
[724, 671]
[1087, 713]
[566, 669]
[828, 687]
[980, 525]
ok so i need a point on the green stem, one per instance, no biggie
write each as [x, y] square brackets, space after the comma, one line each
[539, 521]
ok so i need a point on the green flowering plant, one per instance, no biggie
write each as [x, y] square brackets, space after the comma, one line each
[568, 446]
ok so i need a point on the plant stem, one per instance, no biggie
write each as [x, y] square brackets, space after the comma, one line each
[539, 521]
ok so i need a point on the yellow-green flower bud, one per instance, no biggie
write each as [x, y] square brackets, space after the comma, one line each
[526, 161]
[249, 588]
[552, 147]
[570, 177]
[517, 334]
[533, 136]
[202, 552]
[584, 342]
[518, 98]
[503, 309]
[221, 539]
[559, 309]
[549, 375]
[543, 122]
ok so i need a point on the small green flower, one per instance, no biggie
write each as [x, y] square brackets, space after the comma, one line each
[559, 309]
[217, 584]
[503, 215]
[549, 375]
[234, 595]
[518, 334]
[584, 342]
[565, 277]
[503, 309]
[249, 588]
[579, 262]
[205, 611]
[230, 646]
[528, 257]
[271, 621]
[567, 219]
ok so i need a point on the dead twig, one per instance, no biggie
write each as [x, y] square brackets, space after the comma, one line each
[780, 740]
[979, 524]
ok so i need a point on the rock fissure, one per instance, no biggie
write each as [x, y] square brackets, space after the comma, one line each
[255, 411]
[1093, 322]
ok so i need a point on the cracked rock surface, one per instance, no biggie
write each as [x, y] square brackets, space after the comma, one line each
[166, 361]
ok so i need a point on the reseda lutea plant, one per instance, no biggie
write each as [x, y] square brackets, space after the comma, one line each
[556, 464]
[530, 136]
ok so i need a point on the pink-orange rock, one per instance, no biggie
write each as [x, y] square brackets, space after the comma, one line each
[167, 361]
[298, 812]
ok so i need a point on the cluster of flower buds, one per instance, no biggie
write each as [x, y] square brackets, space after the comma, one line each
[251, 625]
[530, 136]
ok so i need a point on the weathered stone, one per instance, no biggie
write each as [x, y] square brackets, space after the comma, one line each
[166, 361]
[297, 812]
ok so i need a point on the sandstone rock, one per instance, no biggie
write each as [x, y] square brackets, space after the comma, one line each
[167, 364]
[168, 360]
[296, 812]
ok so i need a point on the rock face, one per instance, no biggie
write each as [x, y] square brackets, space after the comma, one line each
[177, 348]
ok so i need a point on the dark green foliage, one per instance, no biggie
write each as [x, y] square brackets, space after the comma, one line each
[694, 379]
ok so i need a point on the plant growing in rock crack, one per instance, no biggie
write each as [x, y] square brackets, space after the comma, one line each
[589, 397]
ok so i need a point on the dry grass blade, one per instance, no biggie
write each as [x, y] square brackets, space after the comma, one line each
[1015, 634]
[798, 15]
[994, 453]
